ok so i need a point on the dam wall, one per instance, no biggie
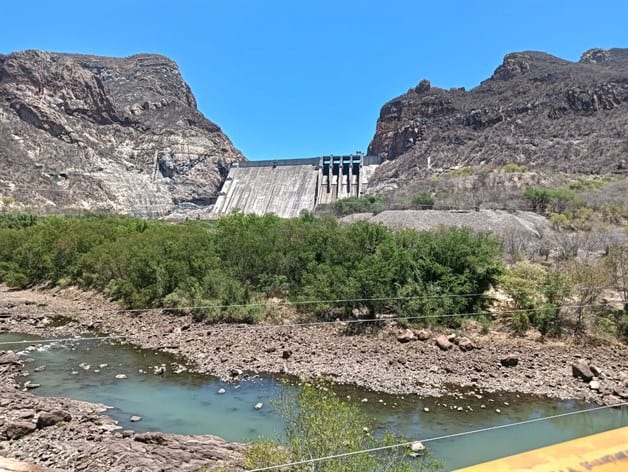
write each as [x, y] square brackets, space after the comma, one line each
[287, 187]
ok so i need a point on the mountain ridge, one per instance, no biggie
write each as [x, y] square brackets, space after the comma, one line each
[535, 109]
[79, 131]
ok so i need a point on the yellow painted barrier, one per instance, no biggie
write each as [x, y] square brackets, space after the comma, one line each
[602, 452]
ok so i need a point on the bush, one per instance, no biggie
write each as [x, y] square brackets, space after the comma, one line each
[348, 206]
[320, 424]
[513, 167]
[547, 200]
[423, 201]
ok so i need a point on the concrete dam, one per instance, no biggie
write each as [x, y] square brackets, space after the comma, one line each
[287, 187]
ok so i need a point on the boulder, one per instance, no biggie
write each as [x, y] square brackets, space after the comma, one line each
[135, 418]
[423, 334]
[594, 385]
[406, 336]
[9, 357]
[596, 370]
[50, 418]
[465, 344]
[443, 343]
[580, 369]
[150, 438]
[509, 361]
[19, 430]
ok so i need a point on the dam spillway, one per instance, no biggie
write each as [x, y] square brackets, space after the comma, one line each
[287, 187]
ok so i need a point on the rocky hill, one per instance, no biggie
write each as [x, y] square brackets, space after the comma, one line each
[536, 110]
[92, 133]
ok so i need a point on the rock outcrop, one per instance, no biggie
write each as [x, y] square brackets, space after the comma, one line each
[92, 133]
[536, 109]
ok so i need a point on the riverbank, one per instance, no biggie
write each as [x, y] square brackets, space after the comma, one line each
[390, 359]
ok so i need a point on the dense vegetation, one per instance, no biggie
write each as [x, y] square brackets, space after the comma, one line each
[225, 269]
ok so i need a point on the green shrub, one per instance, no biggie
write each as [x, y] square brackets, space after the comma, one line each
[513, 167]
[548, 200]
[519, 322]
[423, 201]
[320, 424]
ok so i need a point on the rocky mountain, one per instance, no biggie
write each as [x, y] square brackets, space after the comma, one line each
[92, 133]
[536, 109]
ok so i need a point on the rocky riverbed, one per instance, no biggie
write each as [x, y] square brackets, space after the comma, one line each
[389, 359]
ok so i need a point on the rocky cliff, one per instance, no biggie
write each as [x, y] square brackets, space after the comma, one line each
[536, 109]
[92, 133]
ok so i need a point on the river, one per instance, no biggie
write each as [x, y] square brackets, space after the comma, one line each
[122, 376]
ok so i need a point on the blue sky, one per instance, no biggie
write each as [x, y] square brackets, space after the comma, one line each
[306, 78]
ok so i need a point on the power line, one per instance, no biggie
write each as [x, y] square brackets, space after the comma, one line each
[227, 327]
[297, 302]
[437, 438]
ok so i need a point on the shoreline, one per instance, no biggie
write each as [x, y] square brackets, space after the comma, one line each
[380, 360]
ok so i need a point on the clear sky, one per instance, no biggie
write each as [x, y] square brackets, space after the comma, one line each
[300, 78]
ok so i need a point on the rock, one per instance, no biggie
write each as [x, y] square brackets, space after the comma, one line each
[135, 418]
[286, 354]
[465, 344]
[443, 343]
[221, 391]
[150, 438]
[611, 400]
[594, 385]
[9, 357]
[121, 376]
[50, 418]
[423, 86]
[451, 337]
[580, 369]
[19, 430]
[423, 334]
[235, 373]
[406, 336]
[417, 448]
[426, 410]
[258, 406]
[30, 385]
[159, 370]
[497, 410]
[25, 414]
[595, 370]
[509, 361]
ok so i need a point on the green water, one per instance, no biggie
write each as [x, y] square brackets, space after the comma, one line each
[191, 404]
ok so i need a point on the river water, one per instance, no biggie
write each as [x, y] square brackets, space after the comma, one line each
[188, 403]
